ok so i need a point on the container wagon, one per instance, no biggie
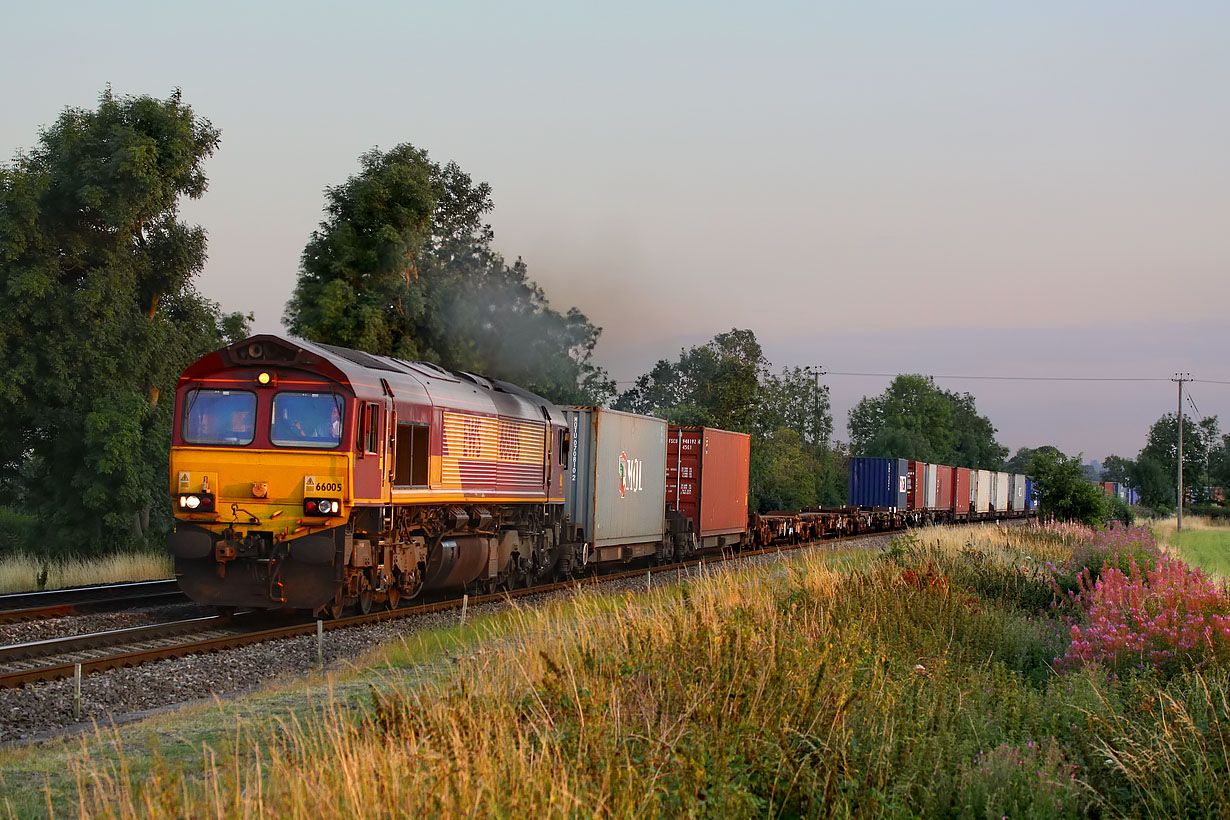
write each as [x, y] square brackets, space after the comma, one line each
[707, 483]
[615, 487]
[879, 483]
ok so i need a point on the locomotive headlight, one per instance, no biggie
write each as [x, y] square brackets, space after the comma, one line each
[264, 378]
[321, 506]
[196, 502]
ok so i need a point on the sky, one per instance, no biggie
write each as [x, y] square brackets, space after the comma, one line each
[950, 188]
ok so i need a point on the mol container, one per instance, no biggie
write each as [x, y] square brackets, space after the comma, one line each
[1018, 493]
[999, 492]
[615, 488]
[962, 478]
[879, 482]
[707, 481]
[981, 494]
[943, 487]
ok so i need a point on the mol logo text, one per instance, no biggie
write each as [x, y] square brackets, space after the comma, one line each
[629, 475]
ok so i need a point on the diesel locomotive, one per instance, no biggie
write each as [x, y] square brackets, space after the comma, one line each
[315, 477]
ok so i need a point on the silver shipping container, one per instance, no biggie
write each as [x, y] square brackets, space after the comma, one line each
[999, 492]
[981, 494]
[616, 483]
[931, 486]
[1017, 504]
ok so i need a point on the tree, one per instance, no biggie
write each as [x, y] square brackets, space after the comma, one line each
[402, 265]
[718, 384]
[727, 383]
[1154, 483]
[1199, 440]
[1062, 490]
[914, 419]
[795, 400]
[1219, 464]
[99, 315]
[1119, 470]
[1019, 463]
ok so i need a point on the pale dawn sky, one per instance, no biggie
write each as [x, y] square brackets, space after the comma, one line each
[950, 188]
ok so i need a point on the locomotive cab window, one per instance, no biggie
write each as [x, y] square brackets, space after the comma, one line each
[368, 438]
[307, 420]
[411, 461]
[565, 440]
[219, 417]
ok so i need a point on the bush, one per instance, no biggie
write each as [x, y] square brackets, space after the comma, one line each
[17, 532]
[1113, 547]
[1119, 510]
[1216, 513]
[1170, 617]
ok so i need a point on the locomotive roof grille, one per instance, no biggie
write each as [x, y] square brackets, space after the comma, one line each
[360, 358]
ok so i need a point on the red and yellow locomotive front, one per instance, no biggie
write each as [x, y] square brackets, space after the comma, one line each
[262, 477]
[310, 477]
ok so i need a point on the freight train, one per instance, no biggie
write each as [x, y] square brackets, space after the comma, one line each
[309, 476]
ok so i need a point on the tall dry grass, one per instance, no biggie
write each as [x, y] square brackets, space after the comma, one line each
[921, 686]
[23, 572]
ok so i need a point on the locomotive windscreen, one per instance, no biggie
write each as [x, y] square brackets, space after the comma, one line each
[307, 419]
[220, 417]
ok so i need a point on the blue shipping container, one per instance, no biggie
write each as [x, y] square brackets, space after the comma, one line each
[878, 482]
[1031, 502]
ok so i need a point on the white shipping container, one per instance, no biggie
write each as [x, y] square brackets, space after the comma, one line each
[981, 495]
[1018, 493]
[931, 485]
[1000, 495]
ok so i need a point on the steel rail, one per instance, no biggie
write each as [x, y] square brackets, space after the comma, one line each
[28, 606]
[111, 637]
[139, 656]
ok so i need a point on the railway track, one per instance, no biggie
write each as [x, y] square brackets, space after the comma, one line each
[30, 606]
[57, 658]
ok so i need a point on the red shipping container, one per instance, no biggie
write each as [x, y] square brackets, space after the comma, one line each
[943, 487]
[961, 485]
[707, 479]
[915, 495]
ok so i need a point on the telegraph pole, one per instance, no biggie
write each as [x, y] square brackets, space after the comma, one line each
[816, 371]
[1180, 378]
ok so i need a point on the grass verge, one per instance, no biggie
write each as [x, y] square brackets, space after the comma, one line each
[922, 684]
[1201, 543]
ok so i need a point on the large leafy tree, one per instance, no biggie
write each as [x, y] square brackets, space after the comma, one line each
[914, 419]
[99, 314]
[402, 265]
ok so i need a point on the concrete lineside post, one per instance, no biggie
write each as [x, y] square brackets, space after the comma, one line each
[648, 581]
[320, 643]
[76, 691]
[465, 604]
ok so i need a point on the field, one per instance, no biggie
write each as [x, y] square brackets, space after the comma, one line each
[964, 673]
[1201, 542]
[21, 572]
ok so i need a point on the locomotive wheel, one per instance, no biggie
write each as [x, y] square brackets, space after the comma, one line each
[394, 597]
[366, 597]
[333, 609]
